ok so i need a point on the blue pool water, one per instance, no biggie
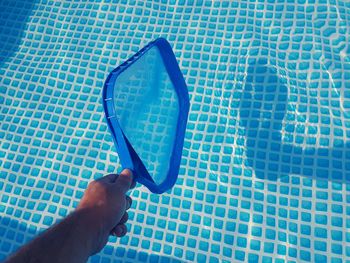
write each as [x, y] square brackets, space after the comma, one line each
[266, 162]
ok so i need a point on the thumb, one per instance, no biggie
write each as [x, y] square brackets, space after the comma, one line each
[124, 180]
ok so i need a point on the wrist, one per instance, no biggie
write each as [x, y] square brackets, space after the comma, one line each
[91, 231]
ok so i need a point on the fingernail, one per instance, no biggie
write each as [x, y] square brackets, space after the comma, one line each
[127, 172]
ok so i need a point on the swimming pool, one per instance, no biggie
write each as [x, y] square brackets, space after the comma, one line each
[266, 162]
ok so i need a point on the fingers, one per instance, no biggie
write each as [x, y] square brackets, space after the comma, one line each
[109, 178]
[119, 230]
[124, 180]
[125, 183]
[124, 218]
[128, 202]
[133, 184]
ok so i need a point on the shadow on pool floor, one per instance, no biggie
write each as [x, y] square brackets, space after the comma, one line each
[262, 109]
[13, 18]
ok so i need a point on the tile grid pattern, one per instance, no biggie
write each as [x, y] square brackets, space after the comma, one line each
[54, 140]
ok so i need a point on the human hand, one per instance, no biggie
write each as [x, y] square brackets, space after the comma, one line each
[104, 206]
